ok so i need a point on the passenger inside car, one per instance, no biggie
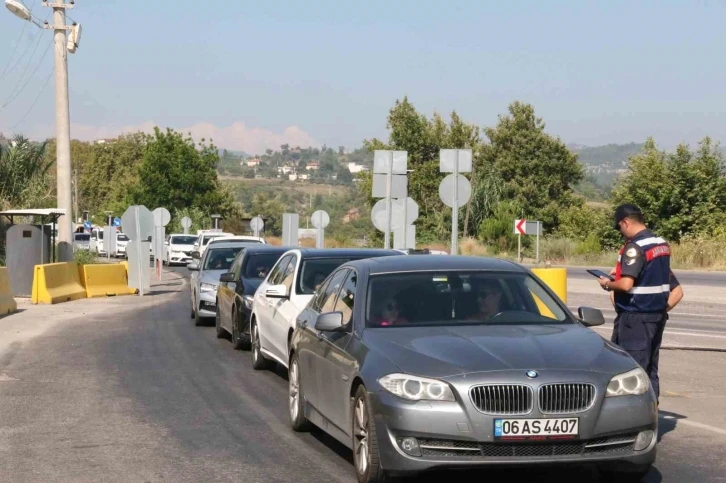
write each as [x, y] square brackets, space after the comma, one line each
[390, 314]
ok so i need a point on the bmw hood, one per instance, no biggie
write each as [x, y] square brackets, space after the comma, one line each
[449, 351]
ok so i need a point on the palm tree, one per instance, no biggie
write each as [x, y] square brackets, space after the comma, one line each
[23, 167]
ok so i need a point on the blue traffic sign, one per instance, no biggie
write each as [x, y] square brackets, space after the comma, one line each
[87, 225]
[117, 221]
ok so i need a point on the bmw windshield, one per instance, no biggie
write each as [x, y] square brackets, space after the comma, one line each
[460, 298]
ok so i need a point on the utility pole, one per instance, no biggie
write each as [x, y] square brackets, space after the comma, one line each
[75, 195]
[63, 131]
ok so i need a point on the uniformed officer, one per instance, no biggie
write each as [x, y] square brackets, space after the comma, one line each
[641, 290]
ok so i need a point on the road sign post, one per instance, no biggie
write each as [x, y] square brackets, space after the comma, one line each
[290, 225]
[257, 224]
[520, 228]
[186, 223]
[534, 228]
[455, 189]
[162, 217]
[389, 181]
[138, 223]
[320, 220]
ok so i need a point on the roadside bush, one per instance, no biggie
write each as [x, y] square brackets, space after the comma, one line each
[472, 247]
[497, 232]
[699, 252]
[589, 246]
[84, 257]
[557, 249]
[580, 223]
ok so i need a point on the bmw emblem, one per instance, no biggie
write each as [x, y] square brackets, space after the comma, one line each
[532, 374]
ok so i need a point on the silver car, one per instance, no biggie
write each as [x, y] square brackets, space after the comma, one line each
[419, 363]
[215, 261]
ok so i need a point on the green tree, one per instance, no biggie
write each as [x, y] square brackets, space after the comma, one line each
[538, 169]
[175, 173]
[24, 174]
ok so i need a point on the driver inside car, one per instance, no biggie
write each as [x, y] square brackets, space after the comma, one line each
[488, 299]
[390, 315]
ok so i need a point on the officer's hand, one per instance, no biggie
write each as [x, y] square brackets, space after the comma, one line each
[612, 272]
[603, 281]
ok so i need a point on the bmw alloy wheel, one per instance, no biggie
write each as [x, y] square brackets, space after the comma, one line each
[294, 389]
[360, 436]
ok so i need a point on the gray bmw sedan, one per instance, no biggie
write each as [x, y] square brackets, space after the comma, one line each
[419, 363]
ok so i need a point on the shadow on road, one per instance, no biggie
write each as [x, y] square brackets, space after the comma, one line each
[667, 422]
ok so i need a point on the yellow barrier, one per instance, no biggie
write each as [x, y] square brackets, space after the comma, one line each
[555, 279]
[105, 279]
[8, 305]
[55, 283]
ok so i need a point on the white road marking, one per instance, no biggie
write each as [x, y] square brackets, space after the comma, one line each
[695, 424]
[686, 314]
[690, 333]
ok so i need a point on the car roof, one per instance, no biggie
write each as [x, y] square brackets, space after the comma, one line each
[230, 244]
[308, 253]
[263, 248]
[407, 263]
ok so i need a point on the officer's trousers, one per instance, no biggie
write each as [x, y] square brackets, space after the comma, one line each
[640, 335]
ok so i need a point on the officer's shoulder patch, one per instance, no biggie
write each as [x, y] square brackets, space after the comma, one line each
[631, 252]
[630, 261]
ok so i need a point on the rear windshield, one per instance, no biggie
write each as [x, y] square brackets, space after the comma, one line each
[450, 298]
[83, 237]
[122, 237]
[221, 258]
[183, 240]
[259, 265]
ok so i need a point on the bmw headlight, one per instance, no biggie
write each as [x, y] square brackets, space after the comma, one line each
[207, 287]
[416, 388]
[248, 301]
[631, 383]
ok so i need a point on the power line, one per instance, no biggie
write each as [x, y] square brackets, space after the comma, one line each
[17, 43]
[42, 89]
[16, 94]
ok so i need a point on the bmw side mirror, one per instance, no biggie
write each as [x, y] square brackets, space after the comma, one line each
[329, 322]
[195, 255]
[590, 317]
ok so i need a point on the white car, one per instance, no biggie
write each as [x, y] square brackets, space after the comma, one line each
[179, 248]
[121, 242]
[205, 237]
[247, 238]
[287, 290]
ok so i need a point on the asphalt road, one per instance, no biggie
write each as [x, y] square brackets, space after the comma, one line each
[148, 397]
[686, 277]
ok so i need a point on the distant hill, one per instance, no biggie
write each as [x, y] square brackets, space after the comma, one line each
[604, 163]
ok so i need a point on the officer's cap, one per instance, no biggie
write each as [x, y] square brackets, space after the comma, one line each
[624, 211]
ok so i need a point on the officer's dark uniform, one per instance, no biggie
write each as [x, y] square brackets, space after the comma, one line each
[641, 311]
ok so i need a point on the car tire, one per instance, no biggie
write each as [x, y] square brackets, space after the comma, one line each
[258, 360]
[366, 460]
[634, 475]
[237, 342]
[218, 323]
[295, 398]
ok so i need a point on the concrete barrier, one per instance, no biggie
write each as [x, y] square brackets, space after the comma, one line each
[54, 283]
[7, 302]
[105, 280]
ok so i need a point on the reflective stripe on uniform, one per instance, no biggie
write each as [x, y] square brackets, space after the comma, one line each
[650, 290]
[654, 240]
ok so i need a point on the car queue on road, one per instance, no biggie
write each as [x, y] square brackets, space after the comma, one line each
[427, 362]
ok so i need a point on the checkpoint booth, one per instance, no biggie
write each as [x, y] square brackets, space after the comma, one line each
[29, 244]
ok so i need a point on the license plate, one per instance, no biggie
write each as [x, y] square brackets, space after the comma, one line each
[536, 429]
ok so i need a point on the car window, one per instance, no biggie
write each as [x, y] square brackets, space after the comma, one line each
[314, 270]
[259, 264]
[122, 237]
[220, 258]
[346, 297]
[279, 270]
[317, 302]
[237, 264]
[328, 302]
[289, 274]
[183, 240]
[82, 237]
[459, 298]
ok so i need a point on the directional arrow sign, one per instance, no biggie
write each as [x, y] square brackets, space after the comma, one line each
[520, 227]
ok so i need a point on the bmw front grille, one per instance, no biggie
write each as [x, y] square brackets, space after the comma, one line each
[566, 398]
[504, 399]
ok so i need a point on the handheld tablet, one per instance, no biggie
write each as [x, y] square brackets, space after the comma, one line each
[600, 273]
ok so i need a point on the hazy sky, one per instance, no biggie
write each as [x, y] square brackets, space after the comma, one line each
[257, 74]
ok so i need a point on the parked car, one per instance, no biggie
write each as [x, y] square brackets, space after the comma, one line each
[285, 293]
[205, 278]
[248, 238]
[237, 288]
[179, 248]
[419, 363]
[81, 241]
[121, 242]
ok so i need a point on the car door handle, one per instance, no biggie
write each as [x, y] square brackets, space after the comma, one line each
[320, 336]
